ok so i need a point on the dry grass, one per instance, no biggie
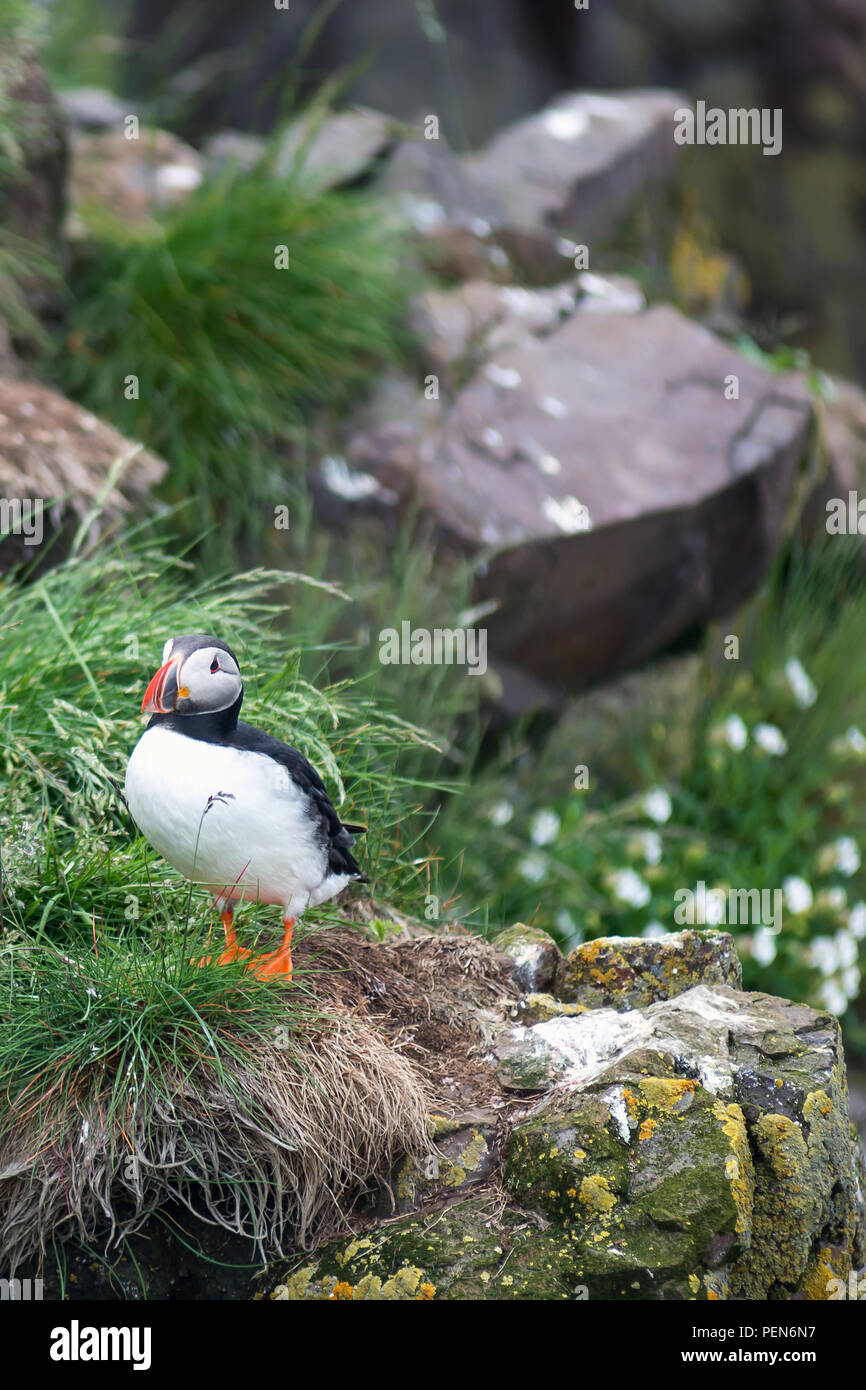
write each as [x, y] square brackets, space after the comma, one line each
[273, 1143]
[322, 1123]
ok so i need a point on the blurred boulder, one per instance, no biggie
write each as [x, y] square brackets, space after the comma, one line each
[559, 178]
[61, 468]
[232, 148]
[575, 166]
[336, 148]
[92, 108]
[130, 179]
[612, 494]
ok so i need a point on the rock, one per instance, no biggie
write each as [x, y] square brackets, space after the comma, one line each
[92, 108]
[611, 494]
[437, 190]
[460, 1253]
[342, 145]
[578, 164]
[232, 148]
[630, 972]
[535, 954]
[131, 180]
[723, 1083]
[574, 167]
[699, 1148]
[842, 416]
[461, 327]
[59, 457]
[464, 1156]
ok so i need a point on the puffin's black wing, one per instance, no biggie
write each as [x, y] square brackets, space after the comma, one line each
[337, 838]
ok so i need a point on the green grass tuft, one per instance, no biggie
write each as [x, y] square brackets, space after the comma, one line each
[232, 354]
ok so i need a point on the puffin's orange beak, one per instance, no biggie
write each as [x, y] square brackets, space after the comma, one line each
[160, 697]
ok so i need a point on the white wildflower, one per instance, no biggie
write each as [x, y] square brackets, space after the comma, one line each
[629, 887]
[834, 899]
[732, 732]
[798, 894]
[842, 854]
[857, 921]
[847, 950]
[657, 805]
[500, 813]
[770, 739]
[653, 930]
[833, 997]
[648, 844]
[824, 954]
[802, 687]
[715, 907]
[544, 827]
[532, 867]
[764, 946]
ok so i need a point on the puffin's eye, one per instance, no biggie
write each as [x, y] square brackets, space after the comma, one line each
[215, 666]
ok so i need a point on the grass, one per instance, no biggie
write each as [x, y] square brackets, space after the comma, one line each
[110, 1038]
[132, 1079]
[232, 355]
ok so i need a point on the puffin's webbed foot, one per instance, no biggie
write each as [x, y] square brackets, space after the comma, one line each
[232, 951]
[276, 962]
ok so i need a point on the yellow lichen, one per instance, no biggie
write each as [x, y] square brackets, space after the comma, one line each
[595, 1193]
[738, 1167]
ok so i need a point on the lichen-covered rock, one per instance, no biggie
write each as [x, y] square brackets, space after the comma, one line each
[464, 1154]
[535, 954]
[652, 1178]
[630, 972]
[698, 1148]
[472, 1250]
[704, 1142]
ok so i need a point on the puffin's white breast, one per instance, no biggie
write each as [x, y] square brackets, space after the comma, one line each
[227, 817]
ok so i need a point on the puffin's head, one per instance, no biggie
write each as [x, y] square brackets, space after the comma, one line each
[199, 675]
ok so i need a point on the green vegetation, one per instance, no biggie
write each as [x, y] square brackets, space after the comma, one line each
[231, 353]
[770, 793]
[103, 1014]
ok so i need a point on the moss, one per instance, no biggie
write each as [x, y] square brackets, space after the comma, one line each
[467, 1252]
[551, 1157]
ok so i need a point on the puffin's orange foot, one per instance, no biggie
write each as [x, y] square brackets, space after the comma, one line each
[232, 950]
[276, 962]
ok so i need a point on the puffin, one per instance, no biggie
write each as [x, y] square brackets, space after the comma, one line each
[230, 806]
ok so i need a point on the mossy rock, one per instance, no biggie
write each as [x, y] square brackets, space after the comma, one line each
[630, 972]
[469, 1251]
